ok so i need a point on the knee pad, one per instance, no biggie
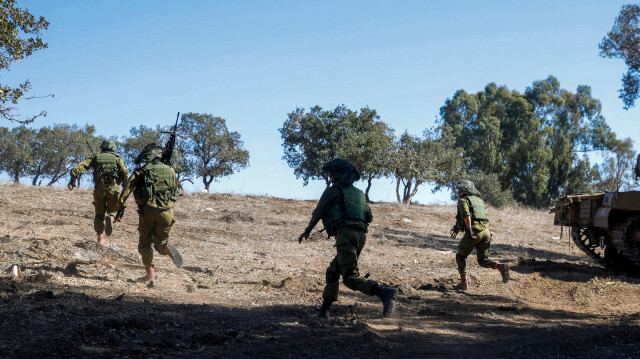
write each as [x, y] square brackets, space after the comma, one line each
[460, 258]
[332, 277]
[100, 217]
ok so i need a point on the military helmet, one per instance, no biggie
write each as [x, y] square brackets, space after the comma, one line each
[466, 186]
[149, 153]
[107, 146]
[342, 171]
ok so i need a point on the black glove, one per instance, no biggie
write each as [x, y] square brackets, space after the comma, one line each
[120, 213]
[470, 231]
[304, 235]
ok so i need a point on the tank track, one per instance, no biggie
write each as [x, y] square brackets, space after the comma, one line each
[624, 242]
[581, 240]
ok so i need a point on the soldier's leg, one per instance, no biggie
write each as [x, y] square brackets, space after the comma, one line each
[164, 221]
[482, 249]
[145, 240]
[348, 243]
[100, 205]
[112, 195]
[465, 247]
[332, 279]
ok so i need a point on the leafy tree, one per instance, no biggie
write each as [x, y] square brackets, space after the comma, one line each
[417, 161]
[314, 138]
[617, 169]
[623, 41]
[216, 151]
[19, 38]
[51, 153]
[16, 151]
[83, 144]
[138, 139]
[531, 141]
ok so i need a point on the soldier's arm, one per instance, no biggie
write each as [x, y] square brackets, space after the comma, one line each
[79, 169]
[368, 215]
[124, 173]
[127, 189]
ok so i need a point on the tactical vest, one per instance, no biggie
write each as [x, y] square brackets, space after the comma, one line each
[352, 205]
[478, 209]
[105, 169]
[157, 187]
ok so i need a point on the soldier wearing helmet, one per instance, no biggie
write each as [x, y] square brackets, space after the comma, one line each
[155, 188]
[109, 171]
[346, 215]
[472, 219]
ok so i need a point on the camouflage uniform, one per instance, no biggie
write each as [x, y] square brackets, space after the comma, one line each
[467, 243]
[106, 188]
[346, 215]
[472, 208]
[350, 239]
[155, 213]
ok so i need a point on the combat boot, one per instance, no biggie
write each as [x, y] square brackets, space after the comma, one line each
[323, 313]
[464, 283]
[504, 271]
[172, 252]
[108, 225]
[388, 297]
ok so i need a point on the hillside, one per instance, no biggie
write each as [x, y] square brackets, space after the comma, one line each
[248, 289]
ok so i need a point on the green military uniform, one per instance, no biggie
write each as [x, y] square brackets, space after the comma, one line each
[154, 188]
[350, 235]
[346, 215]
[109, 171]
[480, 229]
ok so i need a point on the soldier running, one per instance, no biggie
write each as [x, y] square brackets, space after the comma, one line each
[472, 219]
[155, 189]
[346, 215]
[109, 171]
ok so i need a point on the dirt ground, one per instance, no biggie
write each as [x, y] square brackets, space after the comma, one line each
[248, 289]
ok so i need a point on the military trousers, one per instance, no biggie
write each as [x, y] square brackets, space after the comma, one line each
[349, 244]
[154, 227]
[105, 200]
[481, 244]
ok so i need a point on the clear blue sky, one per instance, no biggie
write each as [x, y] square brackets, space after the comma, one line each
[119, 64]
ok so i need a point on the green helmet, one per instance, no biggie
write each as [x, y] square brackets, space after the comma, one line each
[149, 153]
[342, 171]
[466, 186]
[107, 146]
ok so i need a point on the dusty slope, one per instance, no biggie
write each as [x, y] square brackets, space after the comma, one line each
[248, 289]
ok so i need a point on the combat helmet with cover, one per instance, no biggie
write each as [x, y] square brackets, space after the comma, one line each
[105, 165]
[149, 153]
[342, 171]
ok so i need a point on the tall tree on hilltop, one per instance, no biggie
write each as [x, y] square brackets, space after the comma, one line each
[311, 139]
[16, 151]
[217, 152]
[19, 38]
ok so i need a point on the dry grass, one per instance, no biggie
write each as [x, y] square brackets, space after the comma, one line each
[249, 289]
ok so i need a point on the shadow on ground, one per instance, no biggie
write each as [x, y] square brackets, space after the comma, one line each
[62, 322]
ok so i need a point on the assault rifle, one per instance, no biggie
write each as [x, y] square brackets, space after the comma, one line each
[90, 148]
[167, 151]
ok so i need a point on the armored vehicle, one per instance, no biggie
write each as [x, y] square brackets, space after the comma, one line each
[606, 226]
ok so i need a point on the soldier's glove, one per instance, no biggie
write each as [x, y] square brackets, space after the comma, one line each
[470, 231]
[454, 231]
[304, 235]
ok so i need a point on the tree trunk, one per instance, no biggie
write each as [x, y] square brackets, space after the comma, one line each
[366, 193]
[207, 182]
[398, 189]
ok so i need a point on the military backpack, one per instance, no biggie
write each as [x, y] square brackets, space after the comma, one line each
[157, 187]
